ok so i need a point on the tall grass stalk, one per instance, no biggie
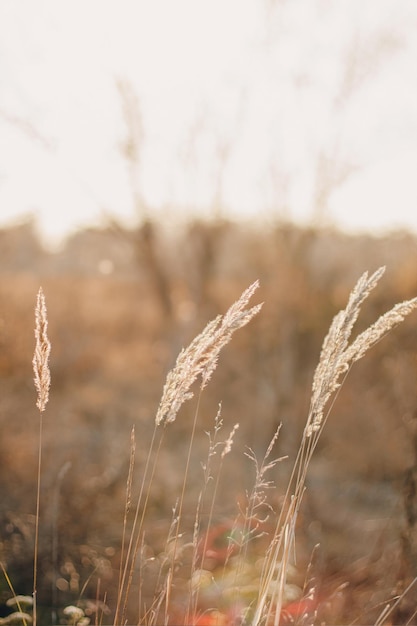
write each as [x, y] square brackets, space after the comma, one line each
[127, 567]
[128, 503]
[207, 472]
[214, 444]
[337, 357]
[42, 378]
[199, 359]
[184, 486]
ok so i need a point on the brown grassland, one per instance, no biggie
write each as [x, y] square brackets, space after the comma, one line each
[121, 305]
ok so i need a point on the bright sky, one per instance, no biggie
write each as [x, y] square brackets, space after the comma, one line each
[304, 109]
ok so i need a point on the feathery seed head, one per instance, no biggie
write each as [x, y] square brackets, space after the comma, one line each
[337, 355]
[201, 356]
[40, 360]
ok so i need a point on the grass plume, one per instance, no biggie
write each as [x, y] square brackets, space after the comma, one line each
[40, 361]
[337, 356]
[201, 356]
[42, 379]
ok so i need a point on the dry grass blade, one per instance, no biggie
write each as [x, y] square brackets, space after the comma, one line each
[42, 351]
[201, 356]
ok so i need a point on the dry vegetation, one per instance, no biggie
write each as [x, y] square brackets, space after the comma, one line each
[119, 314]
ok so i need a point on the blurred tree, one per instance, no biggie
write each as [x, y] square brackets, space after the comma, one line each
[144, 237]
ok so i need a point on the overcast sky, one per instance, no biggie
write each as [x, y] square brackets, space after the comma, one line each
[303, 109]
